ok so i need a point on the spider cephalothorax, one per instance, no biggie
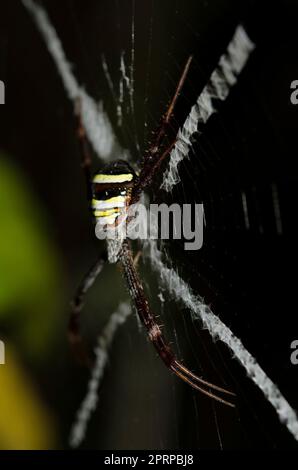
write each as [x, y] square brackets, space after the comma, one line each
[111, 192]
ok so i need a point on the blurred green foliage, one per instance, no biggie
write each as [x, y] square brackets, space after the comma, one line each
[30, 311]
[29, 266]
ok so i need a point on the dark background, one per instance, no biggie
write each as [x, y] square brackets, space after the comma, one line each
[248, 276]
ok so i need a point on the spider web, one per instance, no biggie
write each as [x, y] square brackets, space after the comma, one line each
[130, 59]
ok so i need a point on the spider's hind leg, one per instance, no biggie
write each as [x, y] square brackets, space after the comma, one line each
[74, 331]
[199, 384]
[154, 330]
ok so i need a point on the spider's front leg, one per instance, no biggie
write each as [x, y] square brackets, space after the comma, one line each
[74, 333]
[155, 155]
[154, 331]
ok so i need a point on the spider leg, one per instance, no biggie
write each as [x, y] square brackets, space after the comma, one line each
[74, 333]
[201, 389]
[86, 155]
[137, 258]
[154, 332]
[166, 119]
[154, 168]
[153, 159]
[194, 378]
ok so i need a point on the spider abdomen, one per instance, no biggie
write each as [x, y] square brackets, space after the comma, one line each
[111, 190]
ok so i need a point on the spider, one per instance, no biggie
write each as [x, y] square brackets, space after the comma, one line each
[112, 191]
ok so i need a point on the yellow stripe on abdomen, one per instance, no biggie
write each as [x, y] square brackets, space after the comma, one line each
[101, 178]
[113, 202]
[107, 213]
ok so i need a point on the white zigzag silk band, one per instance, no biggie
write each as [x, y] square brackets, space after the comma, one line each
[89, 403]
[94, 118]
[218, 87]
[180, 291]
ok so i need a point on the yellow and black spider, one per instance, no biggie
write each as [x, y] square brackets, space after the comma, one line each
[111, 192]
